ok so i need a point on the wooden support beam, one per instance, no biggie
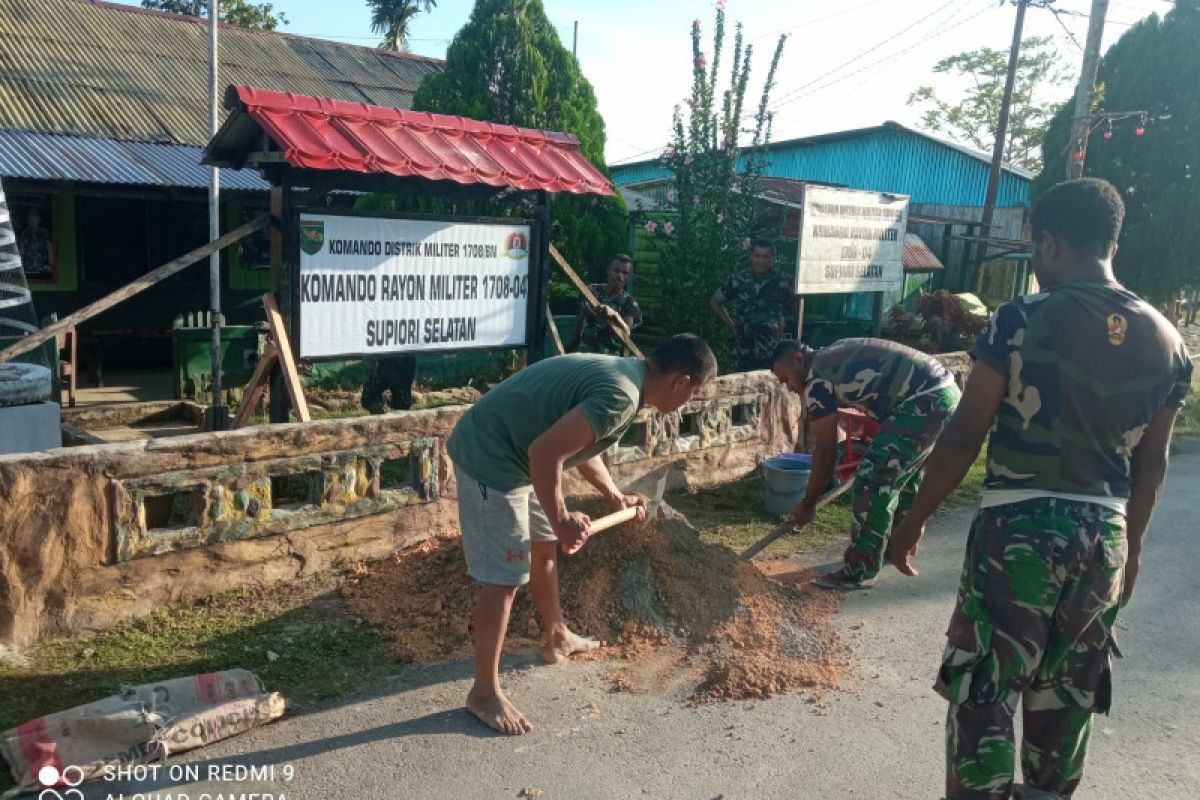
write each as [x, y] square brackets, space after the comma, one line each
[591, 298]
[558, 345]
[287, 363]
[124, 293]
[257, 385]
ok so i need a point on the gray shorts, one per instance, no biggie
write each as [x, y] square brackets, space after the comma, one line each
[497, 528]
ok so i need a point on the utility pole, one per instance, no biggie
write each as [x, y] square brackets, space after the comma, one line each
[218, 414]
[993, 186]
[1085, 91]
[575, 38]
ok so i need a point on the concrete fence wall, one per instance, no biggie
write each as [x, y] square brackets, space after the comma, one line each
[96, 534]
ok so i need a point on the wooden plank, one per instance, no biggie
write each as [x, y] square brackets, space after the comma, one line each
[287, 362]
[591, 298]
[129, 290]
[257, 385]
[558, 345]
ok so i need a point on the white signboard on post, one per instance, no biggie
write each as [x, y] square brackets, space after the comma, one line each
[373, 285]
[851, 241]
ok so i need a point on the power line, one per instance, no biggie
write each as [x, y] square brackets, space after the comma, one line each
[846, 76]
[637, 156]
[1083, 15]
[784, 98]
[815, 21]
[1070, 35]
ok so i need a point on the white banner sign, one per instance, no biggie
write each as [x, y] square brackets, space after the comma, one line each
[851, 241]
[370, 285]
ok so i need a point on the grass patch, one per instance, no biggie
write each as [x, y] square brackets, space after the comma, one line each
[732, 515]
[298, 638]
[1187, 424]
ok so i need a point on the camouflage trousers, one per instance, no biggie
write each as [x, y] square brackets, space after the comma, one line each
[753, 352]
[887, 480]
[1040, 591]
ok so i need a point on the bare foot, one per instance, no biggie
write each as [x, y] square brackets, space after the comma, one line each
[497, 713]
[562, 644]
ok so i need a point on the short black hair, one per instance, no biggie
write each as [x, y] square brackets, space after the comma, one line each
[1087, 213]
[686, 353]
[787, 348]
[624, 259]
[762, 241]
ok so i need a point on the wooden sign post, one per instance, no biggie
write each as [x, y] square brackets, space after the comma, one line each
[278, 352]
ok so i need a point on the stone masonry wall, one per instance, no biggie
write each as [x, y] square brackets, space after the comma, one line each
[96, 534]
[93, 535]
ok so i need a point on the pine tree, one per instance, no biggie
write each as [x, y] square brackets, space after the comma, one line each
[507, 65]
[1153, 68]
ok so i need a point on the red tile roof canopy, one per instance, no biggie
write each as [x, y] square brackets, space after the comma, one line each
[324, 134]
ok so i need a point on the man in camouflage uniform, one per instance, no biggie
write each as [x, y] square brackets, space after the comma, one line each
[763, 297]
[1079, 387]
[909, 393]
[594, 330]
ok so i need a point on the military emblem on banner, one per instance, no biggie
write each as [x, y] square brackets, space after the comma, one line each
[312, 236]
[516, 245]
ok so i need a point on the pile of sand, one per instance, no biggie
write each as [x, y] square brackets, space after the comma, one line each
[679, 612]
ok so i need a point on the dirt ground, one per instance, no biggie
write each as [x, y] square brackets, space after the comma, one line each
[675, 609]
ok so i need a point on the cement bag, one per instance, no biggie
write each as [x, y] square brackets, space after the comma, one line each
[137, 725]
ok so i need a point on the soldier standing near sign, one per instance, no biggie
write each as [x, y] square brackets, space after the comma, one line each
[510, 450]
[1079, 387]
[594, 329]
[909, 393]
[763, 296]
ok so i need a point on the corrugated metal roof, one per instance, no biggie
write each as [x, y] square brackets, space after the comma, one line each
[918, 257]
[886, 158]
[323, 134]
[40, 156]
[109, 71]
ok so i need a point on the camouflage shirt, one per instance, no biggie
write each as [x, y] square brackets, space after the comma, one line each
[1089, 365]
[761, 313]
[596, 336]
[871, 375]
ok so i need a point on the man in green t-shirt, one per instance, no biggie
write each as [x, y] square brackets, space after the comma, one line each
[509, 452]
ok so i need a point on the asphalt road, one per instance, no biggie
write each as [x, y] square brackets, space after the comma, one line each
[879, 737]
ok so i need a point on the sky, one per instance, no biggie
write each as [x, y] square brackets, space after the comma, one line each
[846, 64]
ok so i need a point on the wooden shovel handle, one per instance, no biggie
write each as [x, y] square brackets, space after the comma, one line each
[613, 519]
[788, 526]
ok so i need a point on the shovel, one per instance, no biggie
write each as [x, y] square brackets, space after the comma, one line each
[626, 514]
[787, 526]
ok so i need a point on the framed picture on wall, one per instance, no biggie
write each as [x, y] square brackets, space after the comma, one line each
[33, 222]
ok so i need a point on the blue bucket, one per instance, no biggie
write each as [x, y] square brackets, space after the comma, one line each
[786, 479]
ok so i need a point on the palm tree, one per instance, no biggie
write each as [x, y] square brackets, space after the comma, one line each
[392, 18]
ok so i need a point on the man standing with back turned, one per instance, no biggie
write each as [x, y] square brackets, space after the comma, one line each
[1079, 386]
